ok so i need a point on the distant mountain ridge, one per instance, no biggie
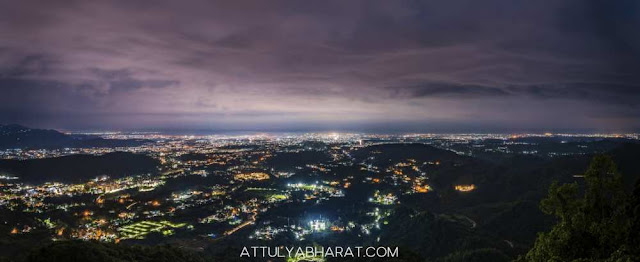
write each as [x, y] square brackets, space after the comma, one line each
[17, 136]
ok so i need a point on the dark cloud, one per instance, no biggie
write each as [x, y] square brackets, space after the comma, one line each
[434, 89]
[124, 80]
[297, 64]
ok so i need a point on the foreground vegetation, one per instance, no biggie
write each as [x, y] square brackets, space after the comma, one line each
[600, 224]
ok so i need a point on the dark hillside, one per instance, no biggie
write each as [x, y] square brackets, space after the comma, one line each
[77, 168]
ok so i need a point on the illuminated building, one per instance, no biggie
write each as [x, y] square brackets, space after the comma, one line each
[465, 188]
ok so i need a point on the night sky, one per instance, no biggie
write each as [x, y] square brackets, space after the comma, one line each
[414, 66]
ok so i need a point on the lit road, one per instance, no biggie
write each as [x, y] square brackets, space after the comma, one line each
[244, 224]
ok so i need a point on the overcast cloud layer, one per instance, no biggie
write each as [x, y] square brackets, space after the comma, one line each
[321, 65]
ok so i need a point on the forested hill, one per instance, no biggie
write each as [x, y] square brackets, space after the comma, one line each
[77, 168]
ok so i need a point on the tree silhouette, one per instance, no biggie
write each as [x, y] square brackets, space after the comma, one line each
[594, 224]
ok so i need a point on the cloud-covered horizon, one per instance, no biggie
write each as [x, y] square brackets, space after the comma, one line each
[277, 65]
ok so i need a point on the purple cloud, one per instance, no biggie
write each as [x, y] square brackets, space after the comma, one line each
[272, 65]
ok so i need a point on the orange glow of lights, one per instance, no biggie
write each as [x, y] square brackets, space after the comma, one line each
[421, 189]
[465, 188]
[337, 228]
